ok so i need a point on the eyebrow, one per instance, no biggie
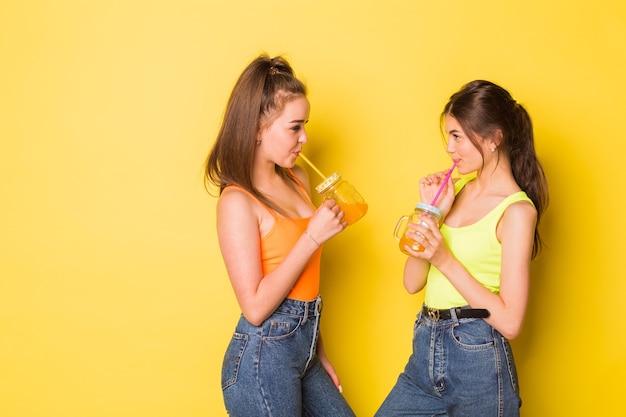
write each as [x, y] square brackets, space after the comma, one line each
[299, 121]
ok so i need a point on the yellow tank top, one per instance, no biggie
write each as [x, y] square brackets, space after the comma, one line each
[279, 241]
[477, 247]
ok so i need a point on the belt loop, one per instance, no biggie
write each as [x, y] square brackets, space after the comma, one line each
[453, 314]
[306, 312]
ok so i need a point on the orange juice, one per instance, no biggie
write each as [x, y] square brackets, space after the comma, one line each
[406, 241]
[353, 211]
[347, 197]
[403, 223]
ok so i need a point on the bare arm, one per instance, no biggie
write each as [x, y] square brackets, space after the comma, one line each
[515, 232]
[415, 273]
[238, 222]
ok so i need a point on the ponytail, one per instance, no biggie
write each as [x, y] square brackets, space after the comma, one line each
[527, 169]
[482, 107]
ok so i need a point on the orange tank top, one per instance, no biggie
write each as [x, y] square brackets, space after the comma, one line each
[278, 242]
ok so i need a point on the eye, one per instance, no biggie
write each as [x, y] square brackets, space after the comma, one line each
[297, 125]
[456, 137]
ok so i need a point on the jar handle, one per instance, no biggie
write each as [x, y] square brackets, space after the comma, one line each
[400, 226]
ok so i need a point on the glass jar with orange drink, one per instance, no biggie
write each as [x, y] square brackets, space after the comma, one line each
[347, 197]
[402, 225]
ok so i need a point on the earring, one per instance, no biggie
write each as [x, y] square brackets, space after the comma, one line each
[493, 149]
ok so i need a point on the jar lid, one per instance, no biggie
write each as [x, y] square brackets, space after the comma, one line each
[429, 208]
[328, 182]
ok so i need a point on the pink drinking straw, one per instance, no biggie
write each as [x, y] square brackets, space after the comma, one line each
[445, 181]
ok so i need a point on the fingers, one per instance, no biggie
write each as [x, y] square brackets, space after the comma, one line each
[327, 221]
[330, 203]
[425, 224]
[430, 185]
[335, 209]
[428, 226]
[423, 232]
[340, 215]
[434, 180]
[419, 237]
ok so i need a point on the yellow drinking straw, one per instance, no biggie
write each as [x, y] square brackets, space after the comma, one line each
[312, 166]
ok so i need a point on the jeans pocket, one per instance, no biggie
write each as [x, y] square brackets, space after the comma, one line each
[232, 359]
[473, 334]
[282, 326]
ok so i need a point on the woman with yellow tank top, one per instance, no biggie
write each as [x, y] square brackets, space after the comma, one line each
[271, 237]
[475, 264]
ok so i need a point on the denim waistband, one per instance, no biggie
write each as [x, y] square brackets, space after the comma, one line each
[301, 308]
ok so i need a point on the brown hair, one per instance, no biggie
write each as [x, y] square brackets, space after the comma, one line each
[259, 95]
[482, 108]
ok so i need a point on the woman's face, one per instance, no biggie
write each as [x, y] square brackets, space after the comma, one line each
[461, 149]
[281, 141]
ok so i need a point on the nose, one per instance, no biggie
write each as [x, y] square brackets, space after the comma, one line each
[304, 138]
[450, 147]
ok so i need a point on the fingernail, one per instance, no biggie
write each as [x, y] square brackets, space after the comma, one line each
[340, 389]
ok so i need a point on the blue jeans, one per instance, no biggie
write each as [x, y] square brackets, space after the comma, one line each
[459, 367]
[273, 370]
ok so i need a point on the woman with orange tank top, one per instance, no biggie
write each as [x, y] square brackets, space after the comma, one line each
[271, 238]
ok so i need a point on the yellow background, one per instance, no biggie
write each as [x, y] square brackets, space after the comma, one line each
[113, 297]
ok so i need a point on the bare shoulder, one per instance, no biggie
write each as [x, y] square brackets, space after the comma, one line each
[517, 227]
[521, 209]
[234, 202]
[521, 214]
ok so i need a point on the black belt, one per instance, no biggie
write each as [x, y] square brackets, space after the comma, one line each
[461, 313]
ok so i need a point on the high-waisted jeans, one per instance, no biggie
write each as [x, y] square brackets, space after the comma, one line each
[459, 367]
[272, 370]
